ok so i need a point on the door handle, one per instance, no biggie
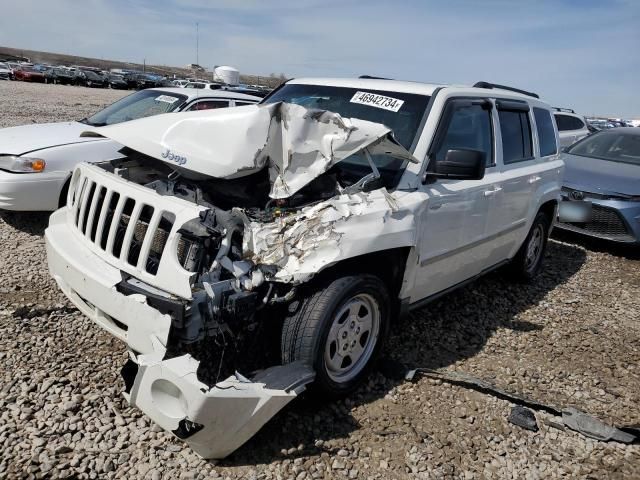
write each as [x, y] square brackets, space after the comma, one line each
[534, 179]
[488, 193]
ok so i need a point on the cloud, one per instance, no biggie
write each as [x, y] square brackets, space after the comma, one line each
[576, 54]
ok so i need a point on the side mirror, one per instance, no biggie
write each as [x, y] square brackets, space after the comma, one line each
[460, 164]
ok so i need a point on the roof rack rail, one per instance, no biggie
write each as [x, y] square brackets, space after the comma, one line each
[504, 87]
[371, 77]
[567, 110]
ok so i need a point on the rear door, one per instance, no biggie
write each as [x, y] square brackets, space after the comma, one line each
[520, 173]
[453, 227]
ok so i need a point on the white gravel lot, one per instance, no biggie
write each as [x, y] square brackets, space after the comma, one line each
[570, 338]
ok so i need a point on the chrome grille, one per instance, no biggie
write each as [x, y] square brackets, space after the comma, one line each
[130, 230]
[133, 228]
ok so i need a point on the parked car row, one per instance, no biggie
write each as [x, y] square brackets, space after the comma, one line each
[245, 254]
[80, 76]
[604, 123]
[96, 78]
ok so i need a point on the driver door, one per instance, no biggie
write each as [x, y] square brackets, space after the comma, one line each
[453, 226]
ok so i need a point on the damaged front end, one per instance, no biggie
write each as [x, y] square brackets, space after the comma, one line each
[218, 243]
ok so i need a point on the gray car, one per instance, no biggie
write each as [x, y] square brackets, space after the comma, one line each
[604, 170]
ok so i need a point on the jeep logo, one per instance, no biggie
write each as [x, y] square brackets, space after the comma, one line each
[169, 155]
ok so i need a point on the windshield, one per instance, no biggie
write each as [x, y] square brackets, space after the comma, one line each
[144, 103]
[4, 65]
[616, 145]
[400, 112]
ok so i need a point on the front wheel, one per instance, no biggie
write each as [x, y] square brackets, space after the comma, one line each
[528, 261]
[339, 330]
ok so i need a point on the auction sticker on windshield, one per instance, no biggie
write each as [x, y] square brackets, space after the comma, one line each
[166, 99]
[378, 101]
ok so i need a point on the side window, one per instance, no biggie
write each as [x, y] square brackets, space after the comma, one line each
[576, 123]
[563, 122]
[516, 136]
[469, 127]
[546, 133]
[241, 103]
[208, 105]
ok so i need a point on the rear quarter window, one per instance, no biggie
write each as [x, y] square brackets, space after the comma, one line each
[567, 122]
[546, 132]
[515, 128]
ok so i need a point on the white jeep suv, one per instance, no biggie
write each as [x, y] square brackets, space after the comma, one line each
[243, 254]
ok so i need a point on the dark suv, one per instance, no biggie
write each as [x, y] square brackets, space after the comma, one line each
[88, 78]
[117, 81]
[58, 76]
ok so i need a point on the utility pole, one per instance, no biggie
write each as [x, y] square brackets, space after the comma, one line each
[144, 65]
[197, 49]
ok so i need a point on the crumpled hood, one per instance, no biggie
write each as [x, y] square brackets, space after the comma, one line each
[601, 176]
[28, 138]
[295, 143]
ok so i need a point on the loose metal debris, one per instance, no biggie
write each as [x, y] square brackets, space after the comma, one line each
[522, 416]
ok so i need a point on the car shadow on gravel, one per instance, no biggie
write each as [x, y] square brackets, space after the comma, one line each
[598, 245]
[455, 327]
[33, 223]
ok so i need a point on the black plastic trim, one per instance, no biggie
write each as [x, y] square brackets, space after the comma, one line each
[174, 308]
[504, 87]
[512, 105]
[187, 428]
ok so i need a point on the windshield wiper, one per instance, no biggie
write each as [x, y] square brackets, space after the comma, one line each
[86, 121]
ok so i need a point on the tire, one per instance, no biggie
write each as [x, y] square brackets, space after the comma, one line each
[527, 263]
[350, 314]
[62, 201]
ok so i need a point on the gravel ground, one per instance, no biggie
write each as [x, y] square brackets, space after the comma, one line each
[570, 338]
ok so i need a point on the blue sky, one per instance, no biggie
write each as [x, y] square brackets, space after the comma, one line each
[578, 54]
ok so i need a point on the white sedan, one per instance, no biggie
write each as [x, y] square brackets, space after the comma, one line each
[36, 161]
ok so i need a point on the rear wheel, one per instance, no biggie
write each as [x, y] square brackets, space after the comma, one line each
[339, 330]
[528, 261]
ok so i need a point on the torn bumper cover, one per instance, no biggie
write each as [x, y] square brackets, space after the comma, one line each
[213, 421]
[90, 283]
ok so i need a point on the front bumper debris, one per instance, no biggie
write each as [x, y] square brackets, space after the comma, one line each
[212, 421]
